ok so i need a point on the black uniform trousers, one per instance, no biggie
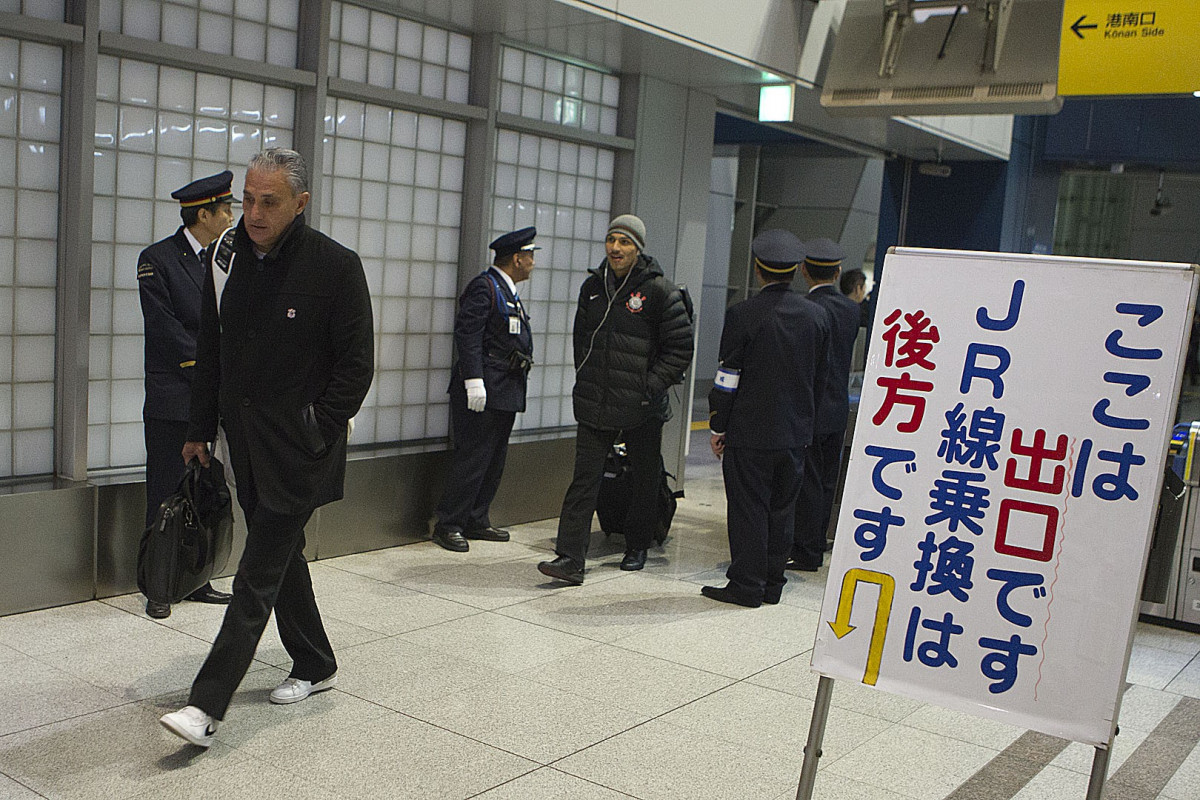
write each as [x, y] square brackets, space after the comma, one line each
[643, 447]
[480, 447]
[271, 575]
[761, 488]
[822, 465]
[164, 464]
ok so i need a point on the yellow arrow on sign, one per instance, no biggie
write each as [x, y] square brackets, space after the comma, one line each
[883, 611]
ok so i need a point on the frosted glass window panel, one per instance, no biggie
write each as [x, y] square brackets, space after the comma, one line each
[252, 29]
[127, 445]
[386, 50]
[203, 124]
[32, 452]
[555, 185]
[415, 214]
[552, 90]
[39, 117]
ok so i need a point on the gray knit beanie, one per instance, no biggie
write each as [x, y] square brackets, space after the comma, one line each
[632, 227]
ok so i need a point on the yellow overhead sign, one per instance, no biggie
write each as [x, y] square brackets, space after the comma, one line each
[1129, 47]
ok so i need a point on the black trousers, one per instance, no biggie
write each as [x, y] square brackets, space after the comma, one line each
[164, 463]
[271, 575]
[643, 446]
[761, 488]
[822, 464]
[480, 447]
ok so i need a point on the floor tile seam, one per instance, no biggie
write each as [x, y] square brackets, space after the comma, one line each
[505, 783]
[122, 704]
[617, 643]
[25, 786]
[73, 676]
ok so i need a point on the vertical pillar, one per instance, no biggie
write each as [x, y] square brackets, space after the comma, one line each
[76, 177]
[665, 181]
[312, 54]
[480, 167]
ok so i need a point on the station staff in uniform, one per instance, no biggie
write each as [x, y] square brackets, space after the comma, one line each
[170, 275]
[487, 389]
[823, 460]
[774, 350]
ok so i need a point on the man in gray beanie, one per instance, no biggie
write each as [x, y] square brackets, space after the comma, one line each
[633, 341]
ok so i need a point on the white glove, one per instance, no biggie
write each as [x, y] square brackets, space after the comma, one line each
[476, 394]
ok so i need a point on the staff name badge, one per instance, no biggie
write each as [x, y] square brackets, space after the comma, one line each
[514, 325]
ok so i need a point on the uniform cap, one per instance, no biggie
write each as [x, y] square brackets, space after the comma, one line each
[777, 251]
[823, 253]
[213, 189]
[514, 242]
[631, 226]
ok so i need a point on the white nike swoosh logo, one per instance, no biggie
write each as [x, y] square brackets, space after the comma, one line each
[593, 297]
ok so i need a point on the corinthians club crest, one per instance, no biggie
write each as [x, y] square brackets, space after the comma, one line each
[636, 302]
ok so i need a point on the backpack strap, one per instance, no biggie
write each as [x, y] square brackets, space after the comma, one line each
[222, 259]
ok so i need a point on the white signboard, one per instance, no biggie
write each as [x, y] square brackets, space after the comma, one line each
[1003, 483]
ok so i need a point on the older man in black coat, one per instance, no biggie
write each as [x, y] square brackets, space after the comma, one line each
[774, 350]
[284, 360]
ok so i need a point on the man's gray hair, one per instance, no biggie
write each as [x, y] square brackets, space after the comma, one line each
[291, 162]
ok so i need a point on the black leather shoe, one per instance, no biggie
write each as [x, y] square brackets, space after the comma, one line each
[634, 559]
[450, 539]
[488, 534]
[207, 594]
[771, 597]
[801, 566]
[158, 610]
[564, 569]
[726, 595]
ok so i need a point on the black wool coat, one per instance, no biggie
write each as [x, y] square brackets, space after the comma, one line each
[284, 364]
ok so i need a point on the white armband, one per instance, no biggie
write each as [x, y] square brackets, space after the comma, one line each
[727, 379]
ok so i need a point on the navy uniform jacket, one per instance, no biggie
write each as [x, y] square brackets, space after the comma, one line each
[285, 364]
[780, 343]
[483, 340]
[833, 405]
[170, 277]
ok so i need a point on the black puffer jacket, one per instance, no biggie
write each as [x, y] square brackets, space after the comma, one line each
[631, 345]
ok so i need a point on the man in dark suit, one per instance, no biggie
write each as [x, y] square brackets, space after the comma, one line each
[762, 408]
[284, 359]
[170, 276]
[487, 389]
[823, 460]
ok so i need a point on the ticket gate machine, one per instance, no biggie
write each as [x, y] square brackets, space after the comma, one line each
[1171, 589]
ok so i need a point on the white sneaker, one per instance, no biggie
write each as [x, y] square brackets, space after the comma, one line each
[293, 690]
[192, 724]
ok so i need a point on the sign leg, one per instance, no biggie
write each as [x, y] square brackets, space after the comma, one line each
[1099, 772]
[816, 733]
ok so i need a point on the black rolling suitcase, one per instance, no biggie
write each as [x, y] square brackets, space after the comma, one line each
[612, 504]
[190, 537]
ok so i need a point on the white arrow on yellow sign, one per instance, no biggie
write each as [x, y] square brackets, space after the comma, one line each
[1121, 47]
[883, 611]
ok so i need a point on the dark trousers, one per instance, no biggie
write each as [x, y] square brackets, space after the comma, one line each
[643, 446]
[822, 464]
[164, 463]
[271, 575]
[480, 447]
[761, 487]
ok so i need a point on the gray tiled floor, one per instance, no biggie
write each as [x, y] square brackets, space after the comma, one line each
[469, 676]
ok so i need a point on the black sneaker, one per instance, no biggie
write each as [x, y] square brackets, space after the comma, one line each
[564, 569]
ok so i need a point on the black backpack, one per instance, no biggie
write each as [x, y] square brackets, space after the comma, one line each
[612, 504]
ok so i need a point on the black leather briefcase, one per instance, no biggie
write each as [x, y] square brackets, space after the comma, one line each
[190, 537]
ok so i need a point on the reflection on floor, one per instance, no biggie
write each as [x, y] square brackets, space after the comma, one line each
[468, 675]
